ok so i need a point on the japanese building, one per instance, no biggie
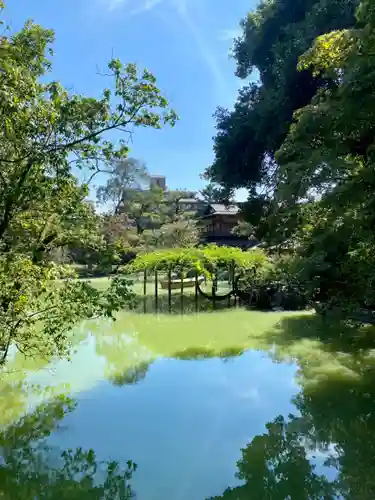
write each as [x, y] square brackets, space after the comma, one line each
[217, 223]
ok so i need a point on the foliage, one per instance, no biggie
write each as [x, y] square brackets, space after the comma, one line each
[60, 218]
[112, 244]
[214, 193]
[143, 208]
[204, 260]
[114, 229]
[289, 269]
[181, 233]
[118, 242]
[274, 36]
[172, 201]
[36, 313]
[243, 229]
[156, 215]
[46, 130]
[329, 154]
[283, 283]
[126, 175]
[305, 133]
[290, 274]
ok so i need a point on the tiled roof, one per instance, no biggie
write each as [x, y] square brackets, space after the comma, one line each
[221, 209]
[189, 200]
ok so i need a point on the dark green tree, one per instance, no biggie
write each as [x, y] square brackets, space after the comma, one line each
[328, 155]
[214, 193]
[182, 232]
[274, 36]
[243, 229]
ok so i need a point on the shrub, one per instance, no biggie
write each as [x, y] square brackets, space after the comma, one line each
[282, 283]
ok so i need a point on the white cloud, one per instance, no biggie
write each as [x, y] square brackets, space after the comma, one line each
[146, 5]
[181, 8]
[115, 4]
[250, 394]
[135, 6]
[204, 50]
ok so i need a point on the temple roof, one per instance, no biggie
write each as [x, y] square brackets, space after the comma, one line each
[221, 209]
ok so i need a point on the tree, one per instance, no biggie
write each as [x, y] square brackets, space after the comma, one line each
[126, 175]
[113, 245]
[125, 191]
[243, 229]
[214, 193]
[172, 200]
[46, 130]
[181, 233]
[274, 36]
[144, 208]
[328, 154]
[156, 215]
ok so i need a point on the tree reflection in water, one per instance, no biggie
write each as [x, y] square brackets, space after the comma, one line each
[131, 376]
[276, 465]
[336, 420]
[31, 469]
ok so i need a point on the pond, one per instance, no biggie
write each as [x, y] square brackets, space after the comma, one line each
[222, 405]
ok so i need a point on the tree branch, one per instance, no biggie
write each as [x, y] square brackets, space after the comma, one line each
[14, 198]
[37, 313]
[92, 135]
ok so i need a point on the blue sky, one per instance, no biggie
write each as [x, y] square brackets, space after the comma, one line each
[185, 43]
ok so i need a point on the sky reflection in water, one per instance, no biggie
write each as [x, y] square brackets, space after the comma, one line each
[230, 427]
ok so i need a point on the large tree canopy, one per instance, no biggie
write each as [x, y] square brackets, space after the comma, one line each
[305, 132]
[274, 36]
[329, 152]
[45, 131]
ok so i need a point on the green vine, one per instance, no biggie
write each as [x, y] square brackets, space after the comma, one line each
[204, 260]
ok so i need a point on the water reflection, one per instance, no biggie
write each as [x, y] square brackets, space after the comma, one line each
[17, 391]
[185, 304]
[324, 450]
[32, 469]
[276, 465]
[158, 392]
[334, 334]
[207, 352]
[126, 360]
[130, 376]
